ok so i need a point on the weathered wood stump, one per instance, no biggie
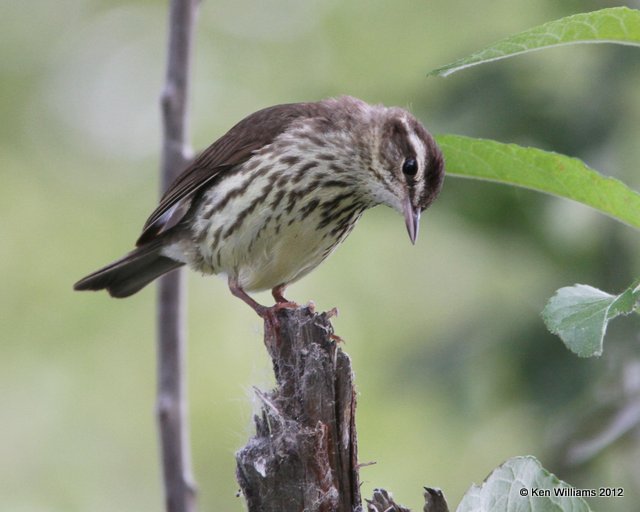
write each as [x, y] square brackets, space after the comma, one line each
[303, 456]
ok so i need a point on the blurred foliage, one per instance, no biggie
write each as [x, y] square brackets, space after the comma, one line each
[455, 370]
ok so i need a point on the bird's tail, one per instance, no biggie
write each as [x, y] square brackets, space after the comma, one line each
[130, 273]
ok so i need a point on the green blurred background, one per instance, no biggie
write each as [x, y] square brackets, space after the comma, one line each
[455, 370]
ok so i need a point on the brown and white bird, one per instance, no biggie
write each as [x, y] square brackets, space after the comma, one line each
[267, 202]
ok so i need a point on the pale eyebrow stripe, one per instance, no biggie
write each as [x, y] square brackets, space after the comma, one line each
[418, 146]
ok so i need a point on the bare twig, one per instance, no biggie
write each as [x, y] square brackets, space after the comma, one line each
[382, 501]
[171, 406]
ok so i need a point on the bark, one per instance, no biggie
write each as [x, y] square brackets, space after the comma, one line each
[171, 406]
[303, 457]
[304, 454]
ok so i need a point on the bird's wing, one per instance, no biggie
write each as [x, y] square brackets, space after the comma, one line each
[235, 147]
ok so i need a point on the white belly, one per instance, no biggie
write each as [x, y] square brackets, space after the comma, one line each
[274, 243]
[276, 259]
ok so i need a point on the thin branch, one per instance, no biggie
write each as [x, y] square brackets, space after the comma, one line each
[382, 501]
[171, 405]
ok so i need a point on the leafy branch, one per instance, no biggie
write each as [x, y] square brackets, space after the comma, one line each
[578, 314]
[619, 25]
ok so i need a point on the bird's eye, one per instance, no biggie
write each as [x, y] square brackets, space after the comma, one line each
[410, 167]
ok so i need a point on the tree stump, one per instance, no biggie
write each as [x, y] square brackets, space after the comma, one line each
[303, 456]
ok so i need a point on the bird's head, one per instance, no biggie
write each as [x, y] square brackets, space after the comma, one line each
[408, 166]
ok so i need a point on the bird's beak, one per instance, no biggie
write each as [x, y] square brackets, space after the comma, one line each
[412, 219]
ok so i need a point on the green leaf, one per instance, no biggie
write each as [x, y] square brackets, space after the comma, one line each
[542, 171]
[619, 25]
[579, 315]
[516, 486]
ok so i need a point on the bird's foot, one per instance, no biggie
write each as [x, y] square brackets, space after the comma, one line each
[269, 316]
[268, 313]
[285, 305]
[281, 301]
[278, 294]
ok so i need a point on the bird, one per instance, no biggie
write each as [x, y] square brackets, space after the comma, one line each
[268, 201]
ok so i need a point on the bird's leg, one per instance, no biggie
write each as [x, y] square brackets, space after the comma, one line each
[268, 314]
[281, 300]
[236, 289]
[278, 293]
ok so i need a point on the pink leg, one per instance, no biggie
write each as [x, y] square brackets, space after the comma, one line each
[281, 301]
[236, 290]
[278, 293]
[268, 314]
